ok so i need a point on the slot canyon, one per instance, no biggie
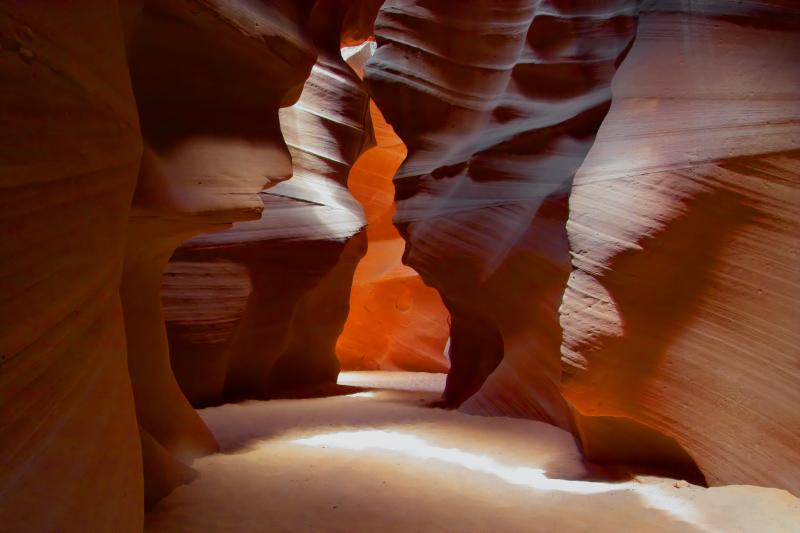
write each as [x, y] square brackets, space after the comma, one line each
[400, 265]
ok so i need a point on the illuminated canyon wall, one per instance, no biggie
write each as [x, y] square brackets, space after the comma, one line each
[644, 299]
[495, 131]
[295, 264]
[131, 128]
[396, 322]
[675, 341]
[681, 312]
[208, 93]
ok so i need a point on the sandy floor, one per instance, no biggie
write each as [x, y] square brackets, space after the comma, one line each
[382, 461]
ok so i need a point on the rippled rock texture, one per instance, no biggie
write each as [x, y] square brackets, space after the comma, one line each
[681, 313]
[69, 156]
[645, 299]
[495, 129]
[676, 243]
[208, 79]
[126, 130]
[286, 277]
[395, 320]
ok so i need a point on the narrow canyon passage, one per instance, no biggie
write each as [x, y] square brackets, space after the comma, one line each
[381, 460]
[400, 265]
[395, 321]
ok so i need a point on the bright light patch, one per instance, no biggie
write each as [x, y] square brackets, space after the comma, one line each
[366, 394]
[655, 496]
[417, 447]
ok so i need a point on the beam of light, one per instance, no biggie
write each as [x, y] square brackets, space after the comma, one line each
[366, 394]
[655, 497]
[417, 447]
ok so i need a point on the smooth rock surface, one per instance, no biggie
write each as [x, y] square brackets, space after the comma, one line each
[298, 258]
[395, 320]
[681, 313]
[208, 79]
[679, 344]
[496, 127]
[70, 457]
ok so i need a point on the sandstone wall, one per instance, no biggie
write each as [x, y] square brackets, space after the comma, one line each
[669, 262]
[396, 322]
[681, 313]
[298, 258]
[498, 104]
[69, 155]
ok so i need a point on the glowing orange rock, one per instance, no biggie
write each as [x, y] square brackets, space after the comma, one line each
[395, 320]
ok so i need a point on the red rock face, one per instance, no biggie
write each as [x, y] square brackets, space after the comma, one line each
[678, 326]
[395, 320]
[647, 302]
[680, 314]
[69, 155]
[208, 81]
[495, 129]
[298, 258]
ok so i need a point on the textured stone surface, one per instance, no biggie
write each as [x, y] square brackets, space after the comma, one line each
[681, 312]
[70, 458]
[298, 258]
[495, 128]
[131, 127]
[209, 79]
[395, 320]
[679, 343]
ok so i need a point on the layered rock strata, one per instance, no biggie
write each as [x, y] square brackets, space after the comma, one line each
[208, 79]
[295, 264]
[678, 320]
[395, 320]
[496, 127]
[681, 314]
[69, 156]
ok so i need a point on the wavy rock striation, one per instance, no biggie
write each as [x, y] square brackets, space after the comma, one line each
[69, 155]
[209, 79]
[495, 129]
[395, 320]
[289, 273]
[90, 234]
[678, 343]
[681, 314]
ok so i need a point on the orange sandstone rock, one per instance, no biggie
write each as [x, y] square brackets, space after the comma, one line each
[70, 457]
[679, 316]
[498, 105]
[208, 79]
[681, 312]
[395, 320]
[298, 257]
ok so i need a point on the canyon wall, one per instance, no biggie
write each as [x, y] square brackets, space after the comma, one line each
[286, 277]
[670, 262]
[126, 129]
[496, 126]
[681, 313]
[208, 80]
[396, 322]
[69, 156]
[648, 302]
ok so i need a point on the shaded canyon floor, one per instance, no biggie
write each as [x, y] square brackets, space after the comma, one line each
[380, 459]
